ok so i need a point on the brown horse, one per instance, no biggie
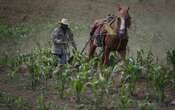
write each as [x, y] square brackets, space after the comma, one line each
[115, 34]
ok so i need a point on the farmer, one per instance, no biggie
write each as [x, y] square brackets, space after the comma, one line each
[61, 38]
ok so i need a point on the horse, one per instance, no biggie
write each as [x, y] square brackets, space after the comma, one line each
[115, 34]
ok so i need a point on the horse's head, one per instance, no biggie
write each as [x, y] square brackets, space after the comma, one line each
[124, 19]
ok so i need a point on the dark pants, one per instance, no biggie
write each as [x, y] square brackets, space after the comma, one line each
[62, 58]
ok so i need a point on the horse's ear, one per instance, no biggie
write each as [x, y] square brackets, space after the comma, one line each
[128, 8]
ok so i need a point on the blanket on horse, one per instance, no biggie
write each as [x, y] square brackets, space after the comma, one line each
[102, 28]
[99, 30]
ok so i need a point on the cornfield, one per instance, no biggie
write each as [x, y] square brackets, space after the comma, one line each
[91, 84]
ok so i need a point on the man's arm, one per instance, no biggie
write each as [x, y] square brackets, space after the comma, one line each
[71, 37]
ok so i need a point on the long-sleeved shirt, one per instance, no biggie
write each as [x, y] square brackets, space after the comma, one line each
[61, 39]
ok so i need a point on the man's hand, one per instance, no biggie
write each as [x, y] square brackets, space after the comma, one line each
[58, 41]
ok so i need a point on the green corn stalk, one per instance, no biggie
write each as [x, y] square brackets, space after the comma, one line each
[35, 74]
[171, 57]
[94, 62]
[41, 64]
[171, 61]
[146, 105]
[42, 104]
[47, 65]
[13, 101]
[160, 79]
[21, 103]
[100, 87]
[132, 74]
[80, 82]
[124, 97]
[106, 73]
[95, 88]
[15, 63]
[144, 58]
[94, 84]
[63, 78]
[140, 57]
[79, 86]
[35, 70]
[4, 59]
[105, 84]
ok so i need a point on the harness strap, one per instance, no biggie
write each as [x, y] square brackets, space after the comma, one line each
[113, 20]
[109, 29]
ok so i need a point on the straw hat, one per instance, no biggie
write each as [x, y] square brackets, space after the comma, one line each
[64, 21]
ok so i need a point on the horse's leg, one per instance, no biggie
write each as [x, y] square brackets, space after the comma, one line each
[106, 56]
[92, 49]
[122, 54]
[117, 56]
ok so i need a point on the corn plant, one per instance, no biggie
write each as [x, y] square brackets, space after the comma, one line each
[35, 73]
[42, 104]
[6, 98]
[145, 60]
[124, 97]
[44, 63]
[171, 57]
[100, 87]
[81, 79]
[14, 101]
[79, 85]
[105, 78]
[47, 64]
[40, 63]
[14, 63]
[159, 79]
[140, 58]
[21, 103]
[132, 73]
[63, 79]
[146, 105]
[106, 72]
[96, 91]
[4, 59]
[113, 59]
[78, 58]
